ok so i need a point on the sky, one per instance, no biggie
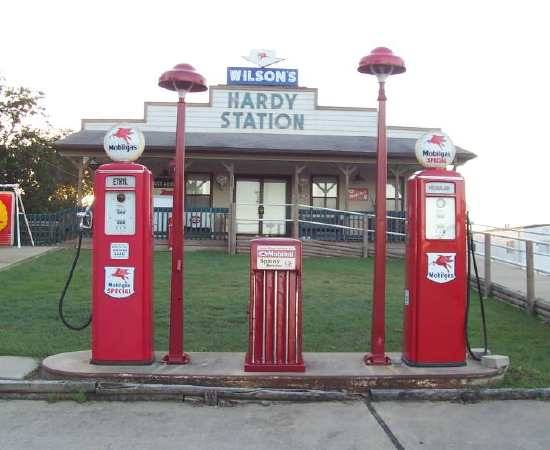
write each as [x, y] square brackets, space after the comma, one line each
[480, 70]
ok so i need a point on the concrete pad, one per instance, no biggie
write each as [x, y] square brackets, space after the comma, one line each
[503, 425]
[325, 371]
[17, 367]
[12, 256]
[495, 361]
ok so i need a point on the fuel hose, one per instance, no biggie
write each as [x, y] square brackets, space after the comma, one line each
[64, 292]
[471, 253]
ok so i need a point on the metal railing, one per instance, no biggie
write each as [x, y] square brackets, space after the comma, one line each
[532, 256]
[512, 250]
[313, 223]
[338, 225]
[52, 228]
[200, 223]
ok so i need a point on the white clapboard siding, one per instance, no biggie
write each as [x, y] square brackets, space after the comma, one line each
[207, 118]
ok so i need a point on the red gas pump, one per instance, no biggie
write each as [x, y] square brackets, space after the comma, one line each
[122, 295]
[122, 255]
[436, 282]
[275, 306]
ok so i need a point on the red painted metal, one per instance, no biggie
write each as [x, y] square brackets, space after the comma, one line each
[377, 354]
[381, 60]
[176, 355]
[170, 233]
[7, 217]
[433, 320]
[182, 78]
[275, 310]
[382, 63]
[122, 327]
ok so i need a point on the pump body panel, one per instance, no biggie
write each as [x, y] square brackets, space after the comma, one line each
[122, 295]
[436, 253]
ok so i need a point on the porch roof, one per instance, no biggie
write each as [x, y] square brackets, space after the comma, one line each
[92, 140]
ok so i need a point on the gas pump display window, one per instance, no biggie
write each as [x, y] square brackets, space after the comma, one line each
[440, 218]
[120, 213]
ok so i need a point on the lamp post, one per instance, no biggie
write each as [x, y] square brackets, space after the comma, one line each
[183, 79]
[382, 63]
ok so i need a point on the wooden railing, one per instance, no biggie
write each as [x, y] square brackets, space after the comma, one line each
[513, 251]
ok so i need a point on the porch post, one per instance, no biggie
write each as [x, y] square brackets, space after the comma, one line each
[396, 172]
[81, 168]
[397, 186]
[231, 226]
[347, 171]
[365, 253]
[295, 201]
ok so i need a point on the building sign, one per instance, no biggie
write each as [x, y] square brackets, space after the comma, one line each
[358, 194]
[7, 212]
[262, 57]
[261, 76]
[124, 143]
[435, 150]
[275, 257]
[261, 111]
[441, 267]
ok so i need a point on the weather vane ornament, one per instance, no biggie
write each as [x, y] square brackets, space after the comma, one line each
[435, 149]
[262, 58]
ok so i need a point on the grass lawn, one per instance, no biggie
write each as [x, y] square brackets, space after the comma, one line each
[336, 310]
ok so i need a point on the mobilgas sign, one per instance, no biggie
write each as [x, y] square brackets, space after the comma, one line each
[262, 76]
[124, 143]
[435, 150]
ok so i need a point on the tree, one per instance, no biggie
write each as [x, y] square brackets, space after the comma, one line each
[27, 153]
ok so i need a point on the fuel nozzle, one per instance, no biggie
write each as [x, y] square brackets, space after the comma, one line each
[86, 218]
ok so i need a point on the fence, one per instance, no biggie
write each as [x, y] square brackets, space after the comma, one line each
[327, 224]
[505, 246]
[200, 223]
[52, 228]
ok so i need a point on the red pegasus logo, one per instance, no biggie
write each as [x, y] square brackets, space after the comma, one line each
[120, 273]
[444, 261]
[123, 133]
[437, 140]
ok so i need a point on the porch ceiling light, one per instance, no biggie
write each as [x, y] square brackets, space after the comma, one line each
[183, 78]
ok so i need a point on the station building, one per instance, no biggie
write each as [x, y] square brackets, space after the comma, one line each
[262, 149]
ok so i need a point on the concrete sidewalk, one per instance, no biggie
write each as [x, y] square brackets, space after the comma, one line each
[11, 256]
[62, 425]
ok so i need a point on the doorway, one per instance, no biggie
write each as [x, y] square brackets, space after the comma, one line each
[261, 206]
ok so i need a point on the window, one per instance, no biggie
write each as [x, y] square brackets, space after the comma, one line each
[197, 191]
[390, 198]
[324, 192]
[390, 192]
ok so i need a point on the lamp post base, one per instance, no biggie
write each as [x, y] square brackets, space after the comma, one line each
[176, 359]
[379, 359]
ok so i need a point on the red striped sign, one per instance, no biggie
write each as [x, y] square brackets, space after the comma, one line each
[7, 213]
